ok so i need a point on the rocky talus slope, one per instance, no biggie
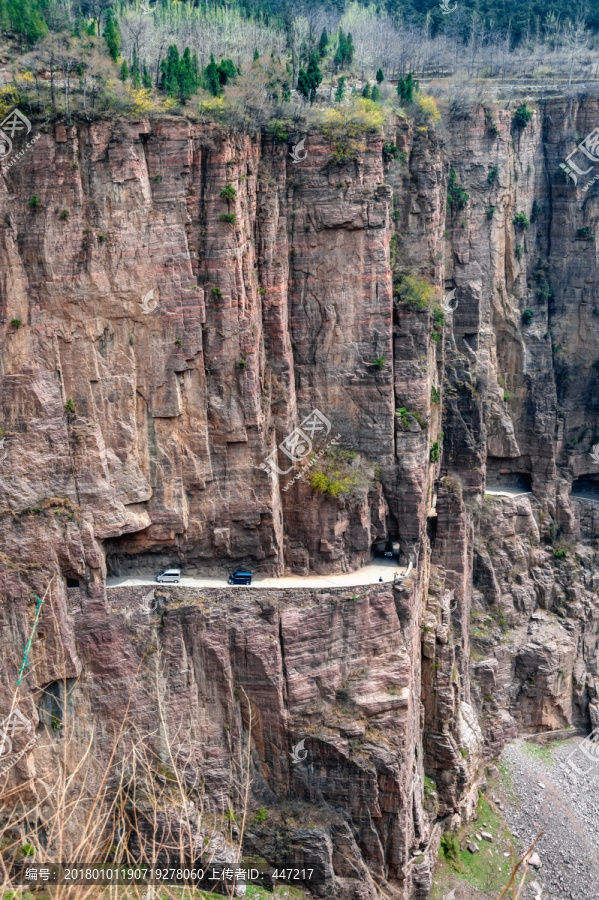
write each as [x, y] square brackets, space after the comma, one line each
[136, 434]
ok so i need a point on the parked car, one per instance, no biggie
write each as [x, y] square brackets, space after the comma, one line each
[241, 576]
[388, 549]
[170, 575]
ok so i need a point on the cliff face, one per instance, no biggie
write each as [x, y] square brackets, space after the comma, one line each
[180, 399]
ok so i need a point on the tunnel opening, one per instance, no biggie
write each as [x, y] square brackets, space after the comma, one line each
[387, 549]
[586, 487]
[511, 476]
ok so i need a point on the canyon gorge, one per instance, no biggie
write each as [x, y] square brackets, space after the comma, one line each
[186, 297]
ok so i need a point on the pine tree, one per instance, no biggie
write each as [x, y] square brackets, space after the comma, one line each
[256, 54]
[134, 71]
[314, 76]
[26, 19]
[380, 77]
[146, 78]
[303, 84]
[341, 51]
[406, 88]
[375, 94]
[91, 29]
[349, 57]
[124, 71]
[226, 70]
[211, 78]
[323, 43]
[366, 91]
[340, 91]
[112, 36]
[170, 72]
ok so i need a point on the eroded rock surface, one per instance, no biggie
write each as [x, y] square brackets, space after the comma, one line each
[190, 347]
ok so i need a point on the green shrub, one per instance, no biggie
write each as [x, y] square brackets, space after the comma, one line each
[178, 342]
[490, 211]
[527, 316]
[519, 251]
[434, 394]
[217, 293]
[390, 151]
[325, 485]
[434, 453]
[457, 198]
[379, 362]
[279, 131]
[63, 214]
[584, 233]
[242, 363]
[403, 414]
[228, 192]
[231, 218]
[344, 126]
[522, 116]
[35, 202]
[507, 396]
[261, 815]
[15, 323]
[520, 221]
[69, 406]
[492, 175]
[450, 847]
[438, 322]
[415, 292]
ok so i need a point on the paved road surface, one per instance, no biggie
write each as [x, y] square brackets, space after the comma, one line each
[506, 491]
[370, 574]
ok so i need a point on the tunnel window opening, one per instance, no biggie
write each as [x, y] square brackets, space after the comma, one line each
[431, 529]
[586, 487]
[507, 476]
[72, 582]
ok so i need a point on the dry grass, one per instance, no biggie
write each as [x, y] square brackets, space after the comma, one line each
[134, 797]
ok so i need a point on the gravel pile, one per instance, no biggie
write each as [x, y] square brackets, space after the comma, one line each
[547, 798]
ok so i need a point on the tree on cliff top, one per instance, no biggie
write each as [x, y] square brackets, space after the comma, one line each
[307, 82]
[112, 36]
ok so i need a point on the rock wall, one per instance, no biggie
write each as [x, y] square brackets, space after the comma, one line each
[172, 336]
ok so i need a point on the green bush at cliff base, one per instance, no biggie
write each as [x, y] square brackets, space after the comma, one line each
[488, 870]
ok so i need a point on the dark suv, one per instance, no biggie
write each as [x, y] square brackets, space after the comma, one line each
[241, 576]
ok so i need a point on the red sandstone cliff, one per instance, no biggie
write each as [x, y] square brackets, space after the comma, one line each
[259, 321]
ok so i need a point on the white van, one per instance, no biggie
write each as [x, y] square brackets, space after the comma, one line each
[170, 575]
